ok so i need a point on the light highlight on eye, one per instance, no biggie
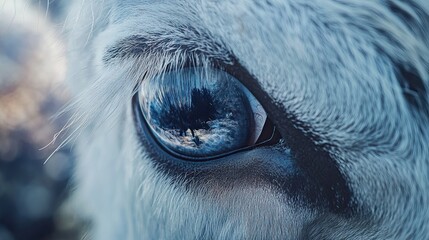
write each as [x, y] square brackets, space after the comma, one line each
[200, 112]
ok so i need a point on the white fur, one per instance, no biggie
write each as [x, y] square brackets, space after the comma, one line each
[328, 62]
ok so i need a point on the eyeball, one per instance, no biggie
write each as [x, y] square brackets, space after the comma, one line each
[199, 113]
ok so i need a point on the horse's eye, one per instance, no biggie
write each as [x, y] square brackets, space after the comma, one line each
[199, 114]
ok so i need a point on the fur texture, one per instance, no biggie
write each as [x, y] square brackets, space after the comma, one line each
[355, 72]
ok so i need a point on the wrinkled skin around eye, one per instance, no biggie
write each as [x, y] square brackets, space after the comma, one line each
[199, 113]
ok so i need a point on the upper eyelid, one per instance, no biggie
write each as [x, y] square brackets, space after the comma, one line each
[186, 41]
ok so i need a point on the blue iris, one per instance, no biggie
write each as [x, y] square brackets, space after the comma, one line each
[198, 112]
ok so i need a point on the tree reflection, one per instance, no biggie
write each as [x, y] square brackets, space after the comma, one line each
[189, 117]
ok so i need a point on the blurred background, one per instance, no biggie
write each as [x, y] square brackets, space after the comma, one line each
[33, 188]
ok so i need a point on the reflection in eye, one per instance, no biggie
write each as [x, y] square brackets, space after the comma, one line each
[201, 112]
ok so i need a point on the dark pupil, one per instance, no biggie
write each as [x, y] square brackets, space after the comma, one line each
[190, 117]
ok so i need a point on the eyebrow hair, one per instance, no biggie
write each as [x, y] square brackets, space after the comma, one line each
[185, 40]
